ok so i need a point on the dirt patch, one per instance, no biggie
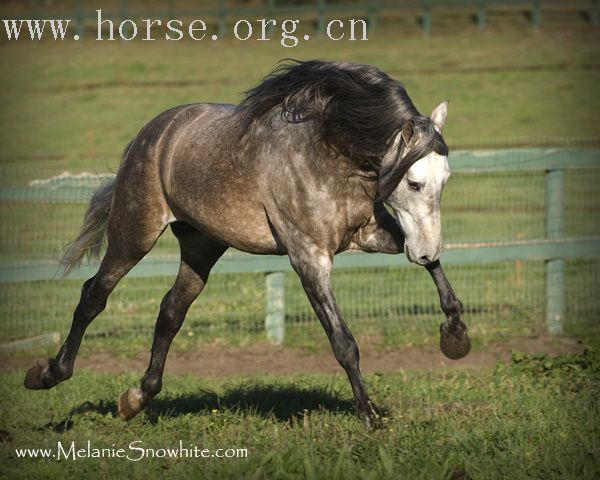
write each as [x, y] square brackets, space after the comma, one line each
[217, 361]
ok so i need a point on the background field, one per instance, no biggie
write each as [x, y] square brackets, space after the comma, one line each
[515, 87]
[74, 106]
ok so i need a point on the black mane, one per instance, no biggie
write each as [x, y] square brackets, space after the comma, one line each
[359, 110]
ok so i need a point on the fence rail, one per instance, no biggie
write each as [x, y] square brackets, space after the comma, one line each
[223, 11]
[463, 254]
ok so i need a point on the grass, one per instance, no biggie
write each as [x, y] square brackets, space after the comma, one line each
[533, 418]
[75, 105]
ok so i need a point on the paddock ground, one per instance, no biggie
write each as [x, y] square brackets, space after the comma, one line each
[217, 360]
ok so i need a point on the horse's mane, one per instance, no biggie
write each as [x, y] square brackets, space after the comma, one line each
[359, 110]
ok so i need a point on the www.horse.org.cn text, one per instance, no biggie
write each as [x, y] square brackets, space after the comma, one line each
[262, 29]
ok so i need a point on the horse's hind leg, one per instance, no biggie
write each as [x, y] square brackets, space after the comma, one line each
[198, 255]
[131, 234]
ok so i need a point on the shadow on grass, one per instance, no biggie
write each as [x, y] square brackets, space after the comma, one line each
[281, 402]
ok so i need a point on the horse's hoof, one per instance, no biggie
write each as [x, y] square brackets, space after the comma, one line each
[455, 346]
[36, 378]
[130, 404]
[370, 415]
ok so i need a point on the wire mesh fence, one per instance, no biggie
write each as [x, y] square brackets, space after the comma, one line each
[393, 304]
[38, 220]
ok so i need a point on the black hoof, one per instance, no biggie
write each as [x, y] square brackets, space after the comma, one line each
[455, 343]
[370, 415]
[39, 377]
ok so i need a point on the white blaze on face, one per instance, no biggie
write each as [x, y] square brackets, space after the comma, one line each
[416, 201]
[416, 205]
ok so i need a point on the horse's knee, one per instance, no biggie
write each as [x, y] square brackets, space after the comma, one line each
[94, 295]
[168, 324]
[171, 315]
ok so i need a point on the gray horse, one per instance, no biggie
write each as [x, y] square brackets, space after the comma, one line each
[302, 167]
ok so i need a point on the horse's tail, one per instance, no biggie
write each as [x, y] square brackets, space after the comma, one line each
[92, 235]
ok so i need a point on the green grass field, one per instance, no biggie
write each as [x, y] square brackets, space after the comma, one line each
[533, 418]
[76, 105]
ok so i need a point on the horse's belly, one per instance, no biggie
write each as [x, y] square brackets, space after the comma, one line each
[245, 229]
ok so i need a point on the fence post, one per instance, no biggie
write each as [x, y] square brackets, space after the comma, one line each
[555, 268]
[372, 15]
[79, 17]
[221, 27]
[535, 14]
[321, 17]
[426, 17]
[275, 311]
[123, 15]
[270, 14]
[594, 13]
[481, 16]
[123, 10]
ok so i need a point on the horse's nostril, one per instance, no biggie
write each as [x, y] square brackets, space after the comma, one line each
[424, 260]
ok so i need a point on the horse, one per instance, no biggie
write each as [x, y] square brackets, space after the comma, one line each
[317, 159]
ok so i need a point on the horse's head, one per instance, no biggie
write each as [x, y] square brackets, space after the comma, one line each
[416, 199]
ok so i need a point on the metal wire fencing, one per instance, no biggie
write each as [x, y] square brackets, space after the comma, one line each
[390, 304]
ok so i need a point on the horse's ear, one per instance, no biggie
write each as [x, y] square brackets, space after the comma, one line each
[408, 131]
[439, 114]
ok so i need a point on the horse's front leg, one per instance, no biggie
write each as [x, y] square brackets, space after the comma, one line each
[383, 234]
[314, 271]
[454, 341]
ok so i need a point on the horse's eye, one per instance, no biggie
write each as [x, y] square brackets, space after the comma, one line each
[416, 186]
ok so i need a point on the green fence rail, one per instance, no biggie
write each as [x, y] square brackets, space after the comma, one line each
[220, 12]
[529, 217]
